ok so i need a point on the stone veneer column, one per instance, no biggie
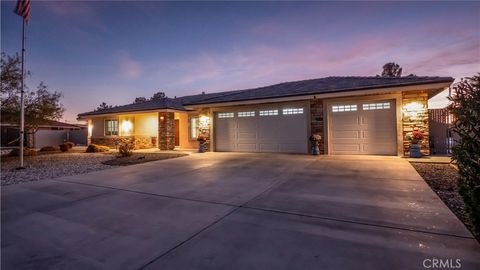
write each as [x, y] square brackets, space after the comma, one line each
[415, 119]
[207, 130]
[317, 121]
[166, 136]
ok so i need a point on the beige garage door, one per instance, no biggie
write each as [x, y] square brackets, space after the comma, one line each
[281, 128]
[367, 127]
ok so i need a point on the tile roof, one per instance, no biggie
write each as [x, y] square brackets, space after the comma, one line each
[286, 89]
[315, 86]
[156, 104]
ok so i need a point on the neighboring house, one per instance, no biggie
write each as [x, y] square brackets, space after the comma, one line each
[353, 115]
[50, 133]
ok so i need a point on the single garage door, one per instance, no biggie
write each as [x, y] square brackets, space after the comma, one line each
[367, 127]
[262, 129]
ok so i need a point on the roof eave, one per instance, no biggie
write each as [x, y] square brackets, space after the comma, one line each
[84, 116]
[436, 86]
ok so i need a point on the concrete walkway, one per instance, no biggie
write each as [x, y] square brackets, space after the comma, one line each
[235, 211]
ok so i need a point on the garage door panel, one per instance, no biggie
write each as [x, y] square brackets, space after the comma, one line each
[246, 147]
[246, 125]
[225, 147]
[268, 147]
[346, 147]
[246, 135]
[370, 131]
[269, 131]
[347, 118]
[346, 134]
[267, 128]
[291, 148]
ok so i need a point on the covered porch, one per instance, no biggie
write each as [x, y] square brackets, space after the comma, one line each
[164, 130]
[110, 130]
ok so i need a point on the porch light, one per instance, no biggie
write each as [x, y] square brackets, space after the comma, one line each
[126, 126]
[90, 129]
[203, 122]
[412, 109]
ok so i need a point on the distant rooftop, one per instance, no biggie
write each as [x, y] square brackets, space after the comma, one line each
[286, 89]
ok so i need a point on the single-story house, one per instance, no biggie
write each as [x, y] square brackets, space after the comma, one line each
[49, 133]
[353, 115]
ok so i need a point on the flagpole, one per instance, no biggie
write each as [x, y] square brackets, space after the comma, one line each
[22, 102]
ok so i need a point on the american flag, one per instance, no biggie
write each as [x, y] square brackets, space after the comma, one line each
[23, 9]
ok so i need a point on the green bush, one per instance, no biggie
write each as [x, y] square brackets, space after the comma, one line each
[26, 152]
[94, 148]
[49, 149]
[64, 147]
[125, 148]
[465, 108]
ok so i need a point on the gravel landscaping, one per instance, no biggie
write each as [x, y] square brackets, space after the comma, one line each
[51, 166]
[443, 179]
[138, 158]
[47, 165]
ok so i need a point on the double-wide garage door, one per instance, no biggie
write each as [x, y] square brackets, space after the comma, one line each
[262, 129]
[367, 127]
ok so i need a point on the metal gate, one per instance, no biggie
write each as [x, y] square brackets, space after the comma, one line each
[442, 139]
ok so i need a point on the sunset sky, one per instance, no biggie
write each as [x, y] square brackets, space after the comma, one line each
[114, 51]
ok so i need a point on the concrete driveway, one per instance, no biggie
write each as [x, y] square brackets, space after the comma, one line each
[235, 211]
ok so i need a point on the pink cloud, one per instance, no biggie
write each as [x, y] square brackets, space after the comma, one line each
[258, 65]
[128, 68]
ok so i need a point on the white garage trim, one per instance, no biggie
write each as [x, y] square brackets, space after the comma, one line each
[398, 113]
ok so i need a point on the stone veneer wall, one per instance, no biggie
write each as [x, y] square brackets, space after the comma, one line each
[166, 130]
[140, 142]
[419, 121]
[106, 141]
[317, 121]
[206, 130]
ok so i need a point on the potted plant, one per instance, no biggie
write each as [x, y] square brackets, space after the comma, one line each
[315, 141]
[415, 146]
[202, 141]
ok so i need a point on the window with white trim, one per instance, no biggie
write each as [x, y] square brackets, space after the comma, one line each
[344, 108]
[246, 114]
[292, 111]
[376, 106]
[111, 127]
[268, 112]
[226, 115]
[193, 128]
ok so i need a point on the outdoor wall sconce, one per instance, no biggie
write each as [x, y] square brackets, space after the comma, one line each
[90, 129]
[203, 122]
[127, 126]
[412, 109]
[162, 118]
